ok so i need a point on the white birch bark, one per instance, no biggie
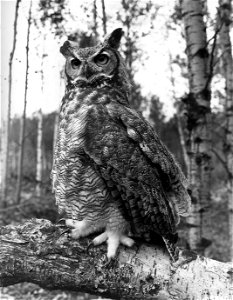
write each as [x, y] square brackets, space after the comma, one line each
[198, 107]
[23, 119]
[227, 69]
[6, 121]
[104, 18]
[39, 156]
[95, 23]
[178, 118]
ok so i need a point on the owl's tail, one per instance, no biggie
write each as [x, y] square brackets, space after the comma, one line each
[173, 250]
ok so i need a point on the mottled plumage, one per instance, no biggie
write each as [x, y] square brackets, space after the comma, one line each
[111, 172]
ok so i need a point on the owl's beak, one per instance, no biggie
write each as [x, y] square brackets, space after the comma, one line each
[85, 70]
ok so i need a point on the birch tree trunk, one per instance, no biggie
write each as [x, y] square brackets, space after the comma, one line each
[39, 156]
[95, 20]
[23, 119]
[198, 108]
[39, 150]
[104, 19]
[7, 121]
[178, 118]
[227, 69]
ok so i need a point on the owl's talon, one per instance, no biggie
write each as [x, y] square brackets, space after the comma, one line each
[106, 262]
[61, 221]
[90, 244]
[62, 226]
[65, 231]
[111, 263]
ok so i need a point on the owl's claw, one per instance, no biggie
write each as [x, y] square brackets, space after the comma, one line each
[111, 263]
[62, 225]
[90, 244]
[114, 239]
[106, 262]
[61, 221]
[65, 231]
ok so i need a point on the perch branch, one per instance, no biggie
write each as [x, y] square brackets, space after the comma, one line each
[39, 252]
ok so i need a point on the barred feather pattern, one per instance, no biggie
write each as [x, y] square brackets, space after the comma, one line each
[109, 162]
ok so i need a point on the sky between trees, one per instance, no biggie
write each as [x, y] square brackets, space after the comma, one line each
[153, 70]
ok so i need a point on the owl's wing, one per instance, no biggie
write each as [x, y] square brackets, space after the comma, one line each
[143, 134]
[127, 151]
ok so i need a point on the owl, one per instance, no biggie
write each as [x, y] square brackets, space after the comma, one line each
[112, 175]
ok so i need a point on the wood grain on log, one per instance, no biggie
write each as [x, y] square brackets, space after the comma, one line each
[38, 252]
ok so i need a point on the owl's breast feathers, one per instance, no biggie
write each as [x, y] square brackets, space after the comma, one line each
[126, 151]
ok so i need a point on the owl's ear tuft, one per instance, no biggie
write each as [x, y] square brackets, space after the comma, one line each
[113, 40]
[67, 47]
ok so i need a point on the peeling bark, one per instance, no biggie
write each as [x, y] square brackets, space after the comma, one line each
[227, 69]
[38, 252]
[198, 110]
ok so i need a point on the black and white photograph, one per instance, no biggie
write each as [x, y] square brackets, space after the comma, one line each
[116, 150]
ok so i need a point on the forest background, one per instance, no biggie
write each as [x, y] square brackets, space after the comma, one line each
[154, 48]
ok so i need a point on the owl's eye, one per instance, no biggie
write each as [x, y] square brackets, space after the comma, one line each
[101, 59]
[75, 63]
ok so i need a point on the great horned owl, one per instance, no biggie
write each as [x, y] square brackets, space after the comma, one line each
[111, 172]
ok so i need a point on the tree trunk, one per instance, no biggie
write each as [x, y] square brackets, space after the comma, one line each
[178, 118]
[55, 131]
[39, 156]
[227, 69]
[23, 119]
[104, 19]
[95, 21]
[128, 52]
[6, 123]
[198, 108]
[38, 252]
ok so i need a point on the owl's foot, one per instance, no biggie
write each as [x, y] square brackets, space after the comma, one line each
[114, 239]
[80, 228]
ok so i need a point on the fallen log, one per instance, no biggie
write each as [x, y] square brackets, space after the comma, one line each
[40, 252]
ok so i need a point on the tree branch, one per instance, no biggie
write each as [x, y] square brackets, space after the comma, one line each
[212, 56]
[38, 252]
[223, 161]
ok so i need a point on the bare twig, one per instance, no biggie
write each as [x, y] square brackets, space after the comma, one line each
[212, 55]
[223, 161]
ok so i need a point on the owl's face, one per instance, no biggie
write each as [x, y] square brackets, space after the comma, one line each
[93, 66]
